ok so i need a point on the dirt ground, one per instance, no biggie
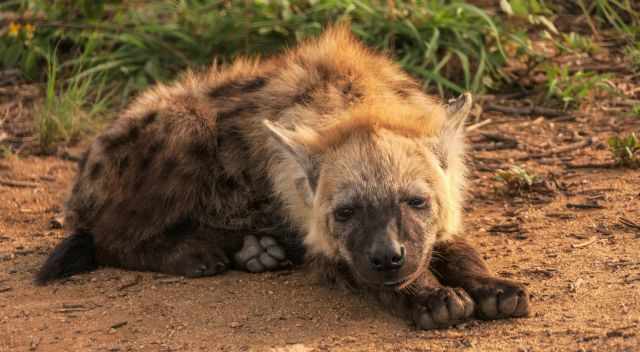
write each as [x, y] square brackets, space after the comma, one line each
[566, 240]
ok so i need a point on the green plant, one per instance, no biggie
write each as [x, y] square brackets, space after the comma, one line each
[452, 45]
[625, 150]
[572, 88]
[517, 178]
[524, 8]
[5, 151]
[621, 15]
[533, 11]
[632, 52]
[69, 108]
[573, 42]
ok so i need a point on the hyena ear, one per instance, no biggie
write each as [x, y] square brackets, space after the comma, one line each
[296, 143]
[457, 111]
[450, 146]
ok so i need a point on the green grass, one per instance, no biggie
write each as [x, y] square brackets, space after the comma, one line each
[632, 52]
[517, 178]
[621, 15]
[572, 89]
[69, 108]
[451, 45]
[625, 150]
[576, 43]
[5, 151]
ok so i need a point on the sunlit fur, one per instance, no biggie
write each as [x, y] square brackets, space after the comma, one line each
[415, 132]
[166, 164]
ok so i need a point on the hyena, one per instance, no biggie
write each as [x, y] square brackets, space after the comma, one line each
[328, 145]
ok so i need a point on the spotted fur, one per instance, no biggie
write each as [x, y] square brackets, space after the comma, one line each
[246, 148]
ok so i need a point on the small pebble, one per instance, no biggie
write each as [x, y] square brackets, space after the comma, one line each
[56, 223]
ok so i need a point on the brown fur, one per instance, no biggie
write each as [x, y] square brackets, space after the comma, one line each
[276, 146]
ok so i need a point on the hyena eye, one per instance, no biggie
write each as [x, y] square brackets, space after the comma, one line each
[417, 202]
[343, 214]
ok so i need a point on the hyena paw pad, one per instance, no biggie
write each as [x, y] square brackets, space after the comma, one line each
[501, 299]
[441, 308]
[261, 255]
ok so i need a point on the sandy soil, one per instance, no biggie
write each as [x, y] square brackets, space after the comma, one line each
[581, 265]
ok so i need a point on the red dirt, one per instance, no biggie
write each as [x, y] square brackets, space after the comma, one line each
[582, 267]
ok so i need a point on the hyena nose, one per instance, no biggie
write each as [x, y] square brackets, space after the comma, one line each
[387, 258]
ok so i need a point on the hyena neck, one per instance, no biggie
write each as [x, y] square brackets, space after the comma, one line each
[290, 186]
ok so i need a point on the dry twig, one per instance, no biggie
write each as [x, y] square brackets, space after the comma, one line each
[136, 280]
[18, 184]
[119, 324]
[505, 228]
[633, 225]
[560, 150]
[529, 110]
[588, 205]
[591, 166]
[592, 240]
[478, 125]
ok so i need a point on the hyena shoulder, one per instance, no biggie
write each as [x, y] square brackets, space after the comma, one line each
[171, 156]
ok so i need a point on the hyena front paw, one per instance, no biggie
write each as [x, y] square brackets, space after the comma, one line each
[261, 255]
[442, 307]
[498, 299]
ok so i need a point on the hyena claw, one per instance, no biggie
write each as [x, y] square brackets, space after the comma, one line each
[441, 308]
[500, 299]
[257, 256]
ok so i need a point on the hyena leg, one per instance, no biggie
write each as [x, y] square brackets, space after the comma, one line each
[259, 254]
[192, 254]
[457, 264]
[429, 304]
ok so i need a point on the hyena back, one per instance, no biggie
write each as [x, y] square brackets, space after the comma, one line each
[329, 144]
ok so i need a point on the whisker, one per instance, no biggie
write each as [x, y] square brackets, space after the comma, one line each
[436, 273]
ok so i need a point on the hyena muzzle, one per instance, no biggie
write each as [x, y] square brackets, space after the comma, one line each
[329, 149]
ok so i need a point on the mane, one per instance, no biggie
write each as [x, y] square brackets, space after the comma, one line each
[371, 119]
[416, 116]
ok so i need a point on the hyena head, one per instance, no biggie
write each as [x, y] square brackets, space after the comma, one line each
[381, 187]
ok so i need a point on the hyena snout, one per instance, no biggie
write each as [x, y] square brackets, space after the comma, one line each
[386, 255]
